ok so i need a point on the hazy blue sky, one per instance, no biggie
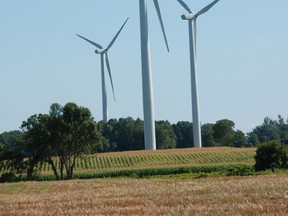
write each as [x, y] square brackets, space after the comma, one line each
[242, 59]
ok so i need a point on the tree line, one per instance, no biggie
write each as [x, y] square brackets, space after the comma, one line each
[70, 131]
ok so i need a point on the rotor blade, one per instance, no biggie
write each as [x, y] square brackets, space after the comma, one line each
[109, 72]
[161, 22]
[185, 5]
[195, 33]
[115, 37]
[205, 9]
[95, 44]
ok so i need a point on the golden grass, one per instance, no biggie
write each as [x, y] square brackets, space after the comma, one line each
[253, 195]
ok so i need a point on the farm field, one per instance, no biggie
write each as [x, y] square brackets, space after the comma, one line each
[137, 160]
[252, 195]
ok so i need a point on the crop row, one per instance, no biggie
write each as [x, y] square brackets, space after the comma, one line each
[119, 161]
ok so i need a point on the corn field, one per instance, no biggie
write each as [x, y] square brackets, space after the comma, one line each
[156, 159]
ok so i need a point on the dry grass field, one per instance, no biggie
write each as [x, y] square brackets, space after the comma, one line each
[253, 195]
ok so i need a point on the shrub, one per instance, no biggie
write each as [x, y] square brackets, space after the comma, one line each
[8, 177]
[271, 155]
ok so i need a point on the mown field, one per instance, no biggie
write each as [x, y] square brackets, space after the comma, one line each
[252, 195]
[141, 160]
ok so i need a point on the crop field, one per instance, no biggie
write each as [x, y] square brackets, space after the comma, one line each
[106, 162]
[244, 195]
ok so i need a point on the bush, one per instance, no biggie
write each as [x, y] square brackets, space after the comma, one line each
[8, 177]
[271, 155]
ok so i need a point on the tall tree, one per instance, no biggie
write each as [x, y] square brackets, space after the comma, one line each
[184, 134]
[165, 136]
[239, 139]
[37, 141]
[207, 135]
[79, 136]
[223, 132]
[11, 154]
[269, 130]
[67, 132]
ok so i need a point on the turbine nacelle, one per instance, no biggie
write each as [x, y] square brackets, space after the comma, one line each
[189, 16]
[100, 51]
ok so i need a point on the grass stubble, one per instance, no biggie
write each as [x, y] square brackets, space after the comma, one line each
[252, 195]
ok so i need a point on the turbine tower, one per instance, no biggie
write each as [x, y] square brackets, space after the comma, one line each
[104, 51]
[192, 23]
[147, 84]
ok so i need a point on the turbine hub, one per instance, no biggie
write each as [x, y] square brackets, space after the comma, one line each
[188, 16]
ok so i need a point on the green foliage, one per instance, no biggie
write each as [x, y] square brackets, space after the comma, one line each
[165, 137]
[66, 132]
[270, 130]
[271, 155]
[8, 177]
[10, 145]
[144, 173]
[223, 132]
[124, 134]
[184, 134]
[79, 135]
[239, 139]
[240, 170]
[11, 151]
[207, 135]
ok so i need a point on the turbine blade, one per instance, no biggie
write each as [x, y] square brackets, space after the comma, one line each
[115, 37]
[195, 33]
[185, 6]
[109, 72]
[95, 44]
[205, 9]
[161, 22]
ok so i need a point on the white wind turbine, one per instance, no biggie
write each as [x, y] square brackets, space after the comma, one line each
[104, 51]
[147, 85]
[192, 18]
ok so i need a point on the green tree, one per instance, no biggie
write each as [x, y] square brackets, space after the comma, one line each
[283, 127]
[165, 136]
[11, 153]
[269, 130]
[271, 155]
[252, 139]
[37, 141]
[79, 135]
[223, 132]
[10, 145]
[207, 135]
[184, 134]
[124, 134]
[108, 131]
[138, 134]
[67, 132]
[239, 139]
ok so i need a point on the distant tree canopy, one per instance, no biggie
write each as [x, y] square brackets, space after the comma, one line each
[268, 131]
[165, 136]
[184, 134]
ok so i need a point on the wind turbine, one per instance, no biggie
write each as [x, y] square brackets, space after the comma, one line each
[192, 23]
[104, 51]
[147, 85]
